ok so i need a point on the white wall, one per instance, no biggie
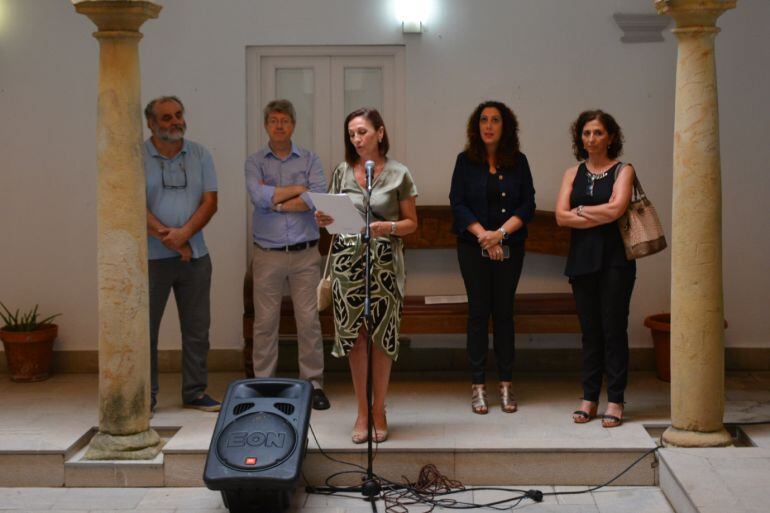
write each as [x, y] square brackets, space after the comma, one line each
[548, 59]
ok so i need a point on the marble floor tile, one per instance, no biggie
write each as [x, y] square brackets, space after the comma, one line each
[29, 498]
[632, 499]
[181, 498]
[586, 498]
[100, 498]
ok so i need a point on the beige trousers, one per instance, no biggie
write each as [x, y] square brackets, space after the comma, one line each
[302, 271]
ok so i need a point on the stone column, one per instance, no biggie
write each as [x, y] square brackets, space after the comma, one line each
[124, 340]
[697, 312]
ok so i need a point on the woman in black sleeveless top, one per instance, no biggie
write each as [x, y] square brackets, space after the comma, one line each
[593, 195]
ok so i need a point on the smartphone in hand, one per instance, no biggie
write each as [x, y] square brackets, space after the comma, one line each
[506, 252]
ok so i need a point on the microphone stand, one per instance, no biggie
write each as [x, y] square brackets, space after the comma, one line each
[370, 487]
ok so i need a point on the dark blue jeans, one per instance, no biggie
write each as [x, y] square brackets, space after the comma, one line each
[491, 288]
[191, 283]
[602, 300]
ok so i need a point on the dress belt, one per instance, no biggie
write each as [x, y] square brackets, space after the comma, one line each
[294, 247]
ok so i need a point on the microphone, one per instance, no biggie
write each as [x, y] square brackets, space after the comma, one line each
[369, 165]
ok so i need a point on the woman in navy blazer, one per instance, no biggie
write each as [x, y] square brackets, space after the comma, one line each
[493, 199]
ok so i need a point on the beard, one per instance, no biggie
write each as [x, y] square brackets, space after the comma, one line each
[174, 134]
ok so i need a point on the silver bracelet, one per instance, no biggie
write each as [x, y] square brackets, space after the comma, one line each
[393, 227]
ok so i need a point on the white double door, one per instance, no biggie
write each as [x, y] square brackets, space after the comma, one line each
[326, 84]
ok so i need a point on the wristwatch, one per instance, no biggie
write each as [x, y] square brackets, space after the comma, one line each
[502, 230]
[278, 207]
[393, 227]
[579, 211]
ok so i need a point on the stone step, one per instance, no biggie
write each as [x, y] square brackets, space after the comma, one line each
[502, 466]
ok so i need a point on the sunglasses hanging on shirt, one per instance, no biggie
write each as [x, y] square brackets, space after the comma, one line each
[171, 178]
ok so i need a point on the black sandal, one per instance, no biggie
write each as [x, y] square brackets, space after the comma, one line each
[611, 421]
[582, 416]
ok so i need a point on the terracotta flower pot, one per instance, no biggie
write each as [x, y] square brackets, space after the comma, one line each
[660, 327]
[29, 353]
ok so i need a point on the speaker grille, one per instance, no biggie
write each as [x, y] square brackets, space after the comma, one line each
[242, 407]
[286, 408]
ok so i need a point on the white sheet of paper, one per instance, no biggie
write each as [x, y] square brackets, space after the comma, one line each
[340, 207]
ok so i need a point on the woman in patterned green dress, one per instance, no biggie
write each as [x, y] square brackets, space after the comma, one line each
[395, 215]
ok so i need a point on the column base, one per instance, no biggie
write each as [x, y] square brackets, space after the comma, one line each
[674, 437]
[140, 446]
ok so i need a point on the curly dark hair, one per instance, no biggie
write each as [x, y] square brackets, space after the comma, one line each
[374, 117]
[509, 139]
[615, 148]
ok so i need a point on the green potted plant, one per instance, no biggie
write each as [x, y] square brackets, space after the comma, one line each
[28, 343]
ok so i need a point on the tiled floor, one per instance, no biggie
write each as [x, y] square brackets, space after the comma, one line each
[638, 499]
[426, 413]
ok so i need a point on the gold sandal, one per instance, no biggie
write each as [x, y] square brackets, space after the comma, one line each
[359, 437]
[507, 402]
[380, 435]
[479, 399]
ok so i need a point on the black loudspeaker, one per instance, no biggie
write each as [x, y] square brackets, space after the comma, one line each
[259, 442]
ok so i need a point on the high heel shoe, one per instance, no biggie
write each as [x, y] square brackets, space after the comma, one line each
[380, 435]
[507, 402]
[359, 437]
[583, 416]
[479, 399]
[611, 421]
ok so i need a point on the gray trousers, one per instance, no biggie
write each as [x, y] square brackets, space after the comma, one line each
[271, 270]
[191, 282]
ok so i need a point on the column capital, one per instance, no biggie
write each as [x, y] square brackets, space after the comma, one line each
[118, 15]
[694, 15]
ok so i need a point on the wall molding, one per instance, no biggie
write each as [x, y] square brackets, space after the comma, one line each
[641, 28]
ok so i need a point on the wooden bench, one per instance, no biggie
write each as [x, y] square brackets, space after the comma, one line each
[534, 312]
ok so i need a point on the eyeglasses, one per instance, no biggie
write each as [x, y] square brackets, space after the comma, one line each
[173, 180]
[276, 121]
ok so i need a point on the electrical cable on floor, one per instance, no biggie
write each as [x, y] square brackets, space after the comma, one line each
[330, 487]
[632, 465]
[433, 488]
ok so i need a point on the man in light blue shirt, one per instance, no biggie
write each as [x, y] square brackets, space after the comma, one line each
[278, 178]
[181, 199]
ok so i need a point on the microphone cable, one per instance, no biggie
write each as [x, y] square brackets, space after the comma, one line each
[433, 488]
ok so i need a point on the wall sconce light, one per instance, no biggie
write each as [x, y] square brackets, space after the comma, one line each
[412, 15]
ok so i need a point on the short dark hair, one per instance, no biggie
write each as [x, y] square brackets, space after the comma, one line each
[149, 110]
[508, 147]
[615, 148]
[373, 116]
[282, 106]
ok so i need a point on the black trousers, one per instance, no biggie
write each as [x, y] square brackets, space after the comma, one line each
[602, 300]
[491, 288]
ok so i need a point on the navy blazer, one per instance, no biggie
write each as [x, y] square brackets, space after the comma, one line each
[468, 196]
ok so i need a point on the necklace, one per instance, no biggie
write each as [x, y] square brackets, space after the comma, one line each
[592, 177]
